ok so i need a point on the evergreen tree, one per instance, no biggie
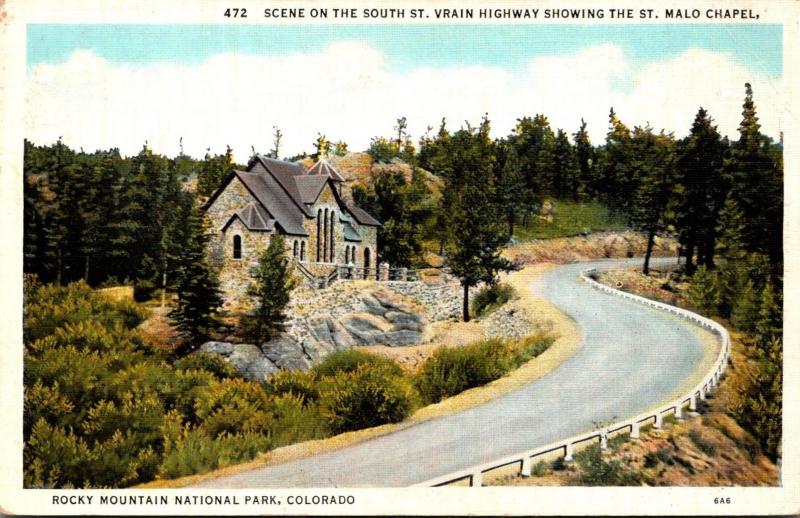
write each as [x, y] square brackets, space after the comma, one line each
[534, 143]
[272, 286]
[213, 170]
[700, 189]
[704, 292]
[746, 308]
[757, 186]
[730, 229]
[566, 173]
[616, 182]
[770, 318]
[197, 287]
[511, 191]
[584, 155]
[402, 209]
[475, 220]
[650, 171]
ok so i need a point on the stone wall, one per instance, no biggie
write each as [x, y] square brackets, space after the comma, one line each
[234, 274]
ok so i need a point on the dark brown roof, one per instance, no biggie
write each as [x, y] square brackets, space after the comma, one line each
[269, 193]
[362, 216]
[325, 168]
[284, 193]
[254, 217]
[310, 187]
[285, 173]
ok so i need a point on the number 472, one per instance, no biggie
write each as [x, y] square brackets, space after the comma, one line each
[236, 12]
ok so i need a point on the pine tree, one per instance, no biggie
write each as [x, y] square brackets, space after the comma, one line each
[213, 170]
[272, 286]
[757, 186]
[700, 189]
[511, 191]
[197, 287]
[746, 308]
[616, 182]
[584, 154]
[704, 293]
[650, 171]
[730, 229]
[770, 318]
[566, 174]
[474, 220]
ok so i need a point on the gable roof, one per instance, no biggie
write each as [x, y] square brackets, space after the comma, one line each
[325, 168]
[285, 174]
[284, 195]
[310, 187]
[362, 216]
[254, 217]
[268, 192]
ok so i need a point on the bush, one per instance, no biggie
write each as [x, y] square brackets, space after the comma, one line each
[541, 469]
[303, 385]
[349, 360]
[490, 298]
[211, 363]
[452, 370]
[532, 346]
[295, 421]
[703, 445]
[595, 471]
[198, 453]
[369, 396]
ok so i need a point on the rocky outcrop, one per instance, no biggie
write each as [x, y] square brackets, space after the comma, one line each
[376, 317]
[248, 359]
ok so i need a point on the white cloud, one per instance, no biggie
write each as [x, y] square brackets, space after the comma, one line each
[348, 92]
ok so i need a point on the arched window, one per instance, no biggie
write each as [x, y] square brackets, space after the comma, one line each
[325, 237]
[332, 246]
[237, 246]
[319, 234]
[302, 250]
[366, 262]
[294, 249]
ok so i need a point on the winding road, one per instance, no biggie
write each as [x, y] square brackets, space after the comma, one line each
[633, 357]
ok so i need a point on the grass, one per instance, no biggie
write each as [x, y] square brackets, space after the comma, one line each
[571, 218]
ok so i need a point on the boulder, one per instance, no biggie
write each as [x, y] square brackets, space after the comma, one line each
[372, 305]
[286, 353]
[402, 337]
[247, 358]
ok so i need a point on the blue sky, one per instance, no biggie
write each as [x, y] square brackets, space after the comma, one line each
[757, 46]
[100, 86]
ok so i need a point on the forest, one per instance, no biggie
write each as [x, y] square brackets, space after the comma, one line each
[98, 219]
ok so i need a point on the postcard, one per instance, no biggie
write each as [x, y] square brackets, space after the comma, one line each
[415, 258]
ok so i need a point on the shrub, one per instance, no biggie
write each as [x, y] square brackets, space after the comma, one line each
[541, 469]
[54, 458]
[198, 453]
[369, 396]
[303, 385]
[703, 445]
[295, 421]
[211, 363]
[491, 297]
[349, 360]
[532, 346]
[595, 471]
[452, 370]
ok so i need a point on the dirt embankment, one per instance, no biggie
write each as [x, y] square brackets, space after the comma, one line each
[703, 450]
[592, 246]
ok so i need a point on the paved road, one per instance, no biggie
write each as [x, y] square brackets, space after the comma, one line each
[632, 358]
